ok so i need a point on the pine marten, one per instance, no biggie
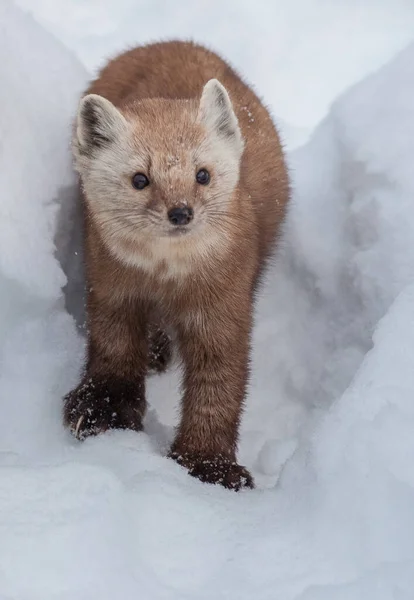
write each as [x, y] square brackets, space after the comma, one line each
[184, 190]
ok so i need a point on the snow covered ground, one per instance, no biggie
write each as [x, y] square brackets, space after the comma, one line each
[300, 54]
[328, 430]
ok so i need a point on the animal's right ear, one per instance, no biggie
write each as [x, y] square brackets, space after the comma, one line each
[99, 124]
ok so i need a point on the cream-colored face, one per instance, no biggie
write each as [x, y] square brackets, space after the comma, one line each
[160, 175]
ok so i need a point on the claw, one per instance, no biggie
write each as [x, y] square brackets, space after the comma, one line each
[78, 424]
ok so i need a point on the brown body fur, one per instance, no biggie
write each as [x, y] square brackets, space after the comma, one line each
[209, 309]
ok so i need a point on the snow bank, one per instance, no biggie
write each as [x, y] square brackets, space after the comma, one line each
[40, 82]
[286, 39]
[348, 260]
[348, 249]
[330, 414]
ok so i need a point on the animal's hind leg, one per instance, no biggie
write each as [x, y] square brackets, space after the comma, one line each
[159, 350]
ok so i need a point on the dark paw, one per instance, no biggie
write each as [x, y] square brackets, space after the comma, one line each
[97, 405]
[160, 351]
[217, 470]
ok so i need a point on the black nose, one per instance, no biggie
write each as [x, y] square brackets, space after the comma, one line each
[181, 215]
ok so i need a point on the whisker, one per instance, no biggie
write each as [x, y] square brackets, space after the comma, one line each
[226, 216]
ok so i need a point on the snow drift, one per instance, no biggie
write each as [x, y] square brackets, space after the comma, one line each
[40, 84]
[330, 415]
[297, 53]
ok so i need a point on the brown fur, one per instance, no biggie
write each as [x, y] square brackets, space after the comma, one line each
[208, 310]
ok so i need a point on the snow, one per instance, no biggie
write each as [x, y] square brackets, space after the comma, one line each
[329, 420]
[37, 107]
[315, 49]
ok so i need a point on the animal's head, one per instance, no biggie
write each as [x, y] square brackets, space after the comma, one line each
[160, 174]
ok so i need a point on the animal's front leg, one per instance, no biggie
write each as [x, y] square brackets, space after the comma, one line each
[215, 351]
[111, 394]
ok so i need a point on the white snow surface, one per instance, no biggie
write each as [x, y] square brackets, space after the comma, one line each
[299, 54]
[328, 430]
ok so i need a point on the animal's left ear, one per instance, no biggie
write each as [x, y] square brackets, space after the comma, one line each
[217, 114]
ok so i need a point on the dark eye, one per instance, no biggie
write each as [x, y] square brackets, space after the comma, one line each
[139, 181]
[203, 177]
